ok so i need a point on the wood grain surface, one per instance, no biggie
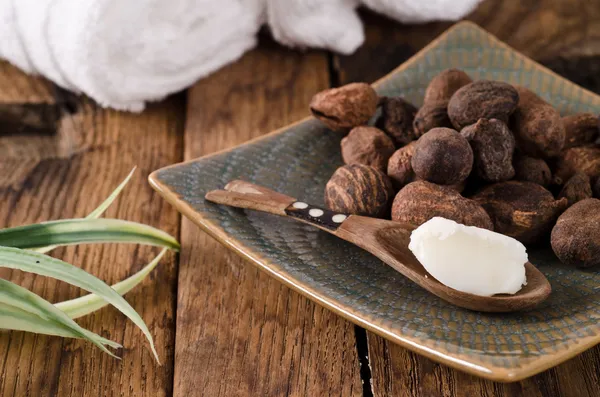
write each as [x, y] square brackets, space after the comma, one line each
[222, 327]
[542, 29]
[113, 144]
[27, 104]
[239, 332]
[31, 115]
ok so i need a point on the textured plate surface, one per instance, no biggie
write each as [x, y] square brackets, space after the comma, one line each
[298, 160]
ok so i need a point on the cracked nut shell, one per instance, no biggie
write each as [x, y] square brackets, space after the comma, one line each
[445, 84]
[576, 236]
[360, 190]
[442, 156]
[396, 119]
[580, 129]
[368, 146]
[399, 168]
[522, 210]
[537, 126]
[431, 115]
[576, 189]
[420, 201]
[345, 107]
[531, 169]
[493, 145]
[483, 99]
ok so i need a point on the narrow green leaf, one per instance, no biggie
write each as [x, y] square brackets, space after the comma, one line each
[20, 320]
[109, 200]
[44, 265]
[22, 299]
[87, 304]
[77, 231]
[98, 211]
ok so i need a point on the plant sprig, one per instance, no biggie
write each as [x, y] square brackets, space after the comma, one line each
[24, 248]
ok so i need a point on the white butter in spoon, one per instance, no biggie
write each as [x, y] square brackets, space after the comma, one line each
[468, 258]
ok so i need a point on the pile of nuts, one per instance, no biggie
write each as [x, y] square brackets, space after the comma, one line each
[482, 153]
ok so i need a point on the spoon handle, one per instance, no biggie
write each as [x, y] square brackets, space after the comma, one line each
[242, 194]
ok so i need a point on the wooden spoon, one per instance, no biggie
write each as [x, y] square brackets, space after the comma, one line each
[386, 240]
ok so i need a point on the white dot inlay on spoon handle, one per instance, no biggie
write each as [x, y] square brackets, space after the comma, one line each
[319, 217]
[339, 218]
[315, 212]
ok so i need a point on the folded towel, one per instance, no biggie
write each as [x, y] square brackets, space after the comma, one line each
[124, 53]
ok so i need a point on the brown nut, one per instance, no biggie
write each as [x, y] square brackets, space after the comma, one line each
[442, 156]
[577, 188]
[580, 129]
[493, 145]
[585, 159]
[431, 115]
[458, 187]
[530, 169]
[360, 190]
[420, 201]
[399, 168]
[482, 99]
[576, 235]
[345, 107]
[396, 119]
[445, 84]
[522, 210]
[537, 126]
[368, 146]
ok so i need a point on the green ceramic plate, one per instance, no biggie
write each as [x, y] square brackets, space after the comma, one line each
[298, 161]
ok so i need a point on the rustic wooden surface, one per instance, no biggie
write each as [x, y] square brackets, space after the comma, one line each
[223, 328]
[239, 332]
[28, 105]
[546, 30]
[72, 186]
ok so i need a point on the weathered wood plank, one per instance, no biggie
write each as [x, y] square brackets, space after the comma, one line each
[240, 333]
[27, 104]
[35, 125]
[19, 87]
[399, 372]
[113, 143]
[544, 30]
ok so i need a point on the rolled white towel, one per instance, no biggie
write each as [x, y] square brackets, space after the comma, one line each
[331, 24]
[124, 53]
[11, 47]
[32, 19]
[408, 11]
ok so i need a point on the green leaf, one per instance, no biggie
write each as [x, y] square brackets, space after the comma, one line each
[76, 231]
[98, 211]
[87, 304]
[109, 200]
[44, 265]
[19, 298]
[20, 320]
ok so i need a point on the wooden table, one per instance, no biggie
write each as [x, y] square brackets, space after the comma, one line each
[222, 328]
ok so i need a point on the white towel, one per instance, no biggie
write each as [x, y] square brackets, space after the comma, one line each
[124, 53]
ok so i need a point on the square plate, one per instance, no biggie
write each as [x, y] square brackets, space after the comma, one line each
[299, 159]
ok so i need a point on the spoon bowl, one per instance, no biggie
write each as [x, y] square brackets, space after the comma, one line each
[385, 239]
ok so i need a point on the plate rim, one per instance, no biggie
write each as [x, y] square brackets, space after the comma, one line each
[491, 372]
